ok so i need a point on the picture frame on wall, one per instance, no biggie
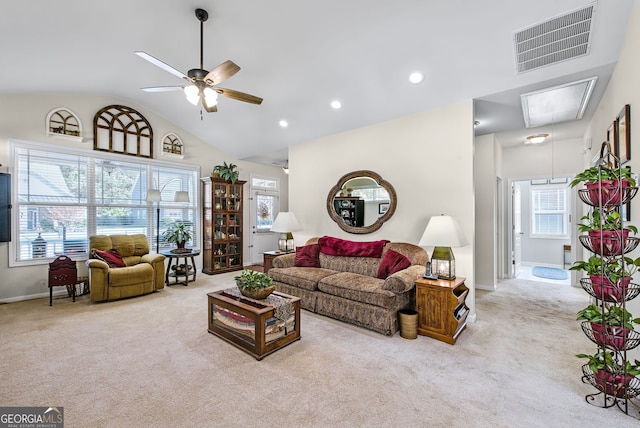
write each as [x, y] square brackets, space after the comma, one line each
[382, 208]
[623, 134]
[612, 137]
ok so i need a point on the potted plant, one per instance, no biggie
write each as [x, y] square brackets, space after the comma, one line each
[227, 172]
[610, 325]
[604, 185]
[177, 233]
[609, 376]
[606, 234]
[609, 280]
[256, 285]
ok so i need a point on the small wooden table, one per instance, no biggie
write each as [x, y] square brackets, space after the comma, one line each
[174, 258]
[251, 325]
[442, 311]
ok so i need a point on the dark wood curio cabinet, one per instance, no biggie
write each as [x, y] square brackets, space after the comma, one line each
[222, 225]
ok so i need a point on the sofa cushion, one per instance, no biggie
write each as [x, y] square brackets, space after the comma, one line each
[308, 256]
[391, 263]
[356, 287]
[110, 257]
[341, 247]
[302, 277]
[360, 265]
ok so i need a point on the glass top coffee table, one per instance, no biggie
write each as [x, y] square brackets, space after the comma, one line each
[258, 327]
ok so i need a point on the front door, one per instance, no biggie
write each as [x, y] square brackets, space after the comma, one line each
[264, 209]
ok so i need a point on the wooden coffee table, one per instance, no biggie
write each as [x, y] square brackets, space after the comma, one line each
[253, 325]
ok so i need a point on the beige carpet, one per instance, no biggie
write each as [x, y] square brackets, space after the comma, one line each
[150, 362]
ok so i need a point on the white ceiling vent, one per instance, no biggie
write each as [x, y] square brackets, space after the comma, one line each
[558, 39]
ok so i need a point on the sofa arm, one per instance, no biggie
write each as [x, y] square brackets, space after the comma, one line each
[403, 280]
[98, 279]
[284, 261]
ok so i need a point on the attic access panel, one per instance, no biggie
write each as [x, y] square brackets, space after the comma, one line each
[557, 104]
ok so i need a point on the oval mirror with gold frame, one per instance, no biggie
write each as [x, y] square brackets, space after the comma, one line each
[348, 206]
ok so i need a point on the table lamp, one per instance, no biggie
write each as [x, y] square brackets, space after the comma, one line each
[285, 223]
[442, 232]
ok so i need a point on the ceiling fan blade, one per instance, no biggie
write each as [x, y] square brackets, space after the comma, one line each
[166, 67]
[240, 96]
[162, 88]
[221, 73]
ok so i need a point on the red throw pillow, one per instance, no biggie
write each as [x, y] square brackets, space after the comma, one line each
[110, 257]
[308, 256]
[341, 247]
[391, 263]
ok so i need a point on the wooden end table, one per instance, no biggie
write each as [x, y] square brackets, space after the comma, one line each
[174, 259]
[442, 311]
[250, 324]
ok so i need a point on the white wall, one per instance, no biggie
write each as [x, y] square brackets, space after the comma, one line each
[623, 88]
[23, 117]
[427, 157]
[484, 172]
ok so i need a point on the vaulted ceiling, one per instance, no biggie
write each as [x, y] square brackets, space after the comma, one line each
[300, 56]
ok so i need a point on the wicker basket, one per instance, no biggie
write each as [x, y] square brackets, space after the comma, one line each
[257, 293]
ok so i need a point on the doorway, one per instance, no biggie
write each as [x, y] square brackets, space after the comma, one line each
[541, 224]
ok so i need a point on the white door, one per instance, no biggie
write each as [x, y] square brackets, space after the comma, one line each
[264, 209]
[516, 261]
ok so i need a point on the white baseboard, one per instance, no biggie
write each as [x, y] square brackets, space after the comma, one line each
[486, 287]
[57, 293]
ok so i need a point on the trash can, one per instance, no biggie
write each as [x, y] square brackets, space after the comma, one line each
[408, 319]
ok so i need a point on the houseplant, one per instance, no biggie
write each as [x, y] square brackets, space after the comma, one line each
[177, 233]
[606, 233]
[605, 186]
[608, 279]
[227, 172]
[610, 326]
[610, 376]
[256, 285]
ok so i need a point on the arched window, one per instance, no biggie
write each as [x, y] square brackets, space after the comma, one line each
[121, 129]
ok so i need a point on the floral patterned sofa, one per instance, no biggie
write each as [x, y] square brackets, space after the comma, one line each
[363, 283]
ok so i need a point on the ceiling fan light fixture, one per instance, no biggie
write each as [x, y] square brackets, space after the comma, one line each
[192, 93]
[210, 97]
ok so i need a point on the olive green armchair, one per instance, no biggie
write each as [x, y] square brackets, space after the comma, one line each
[142, 273]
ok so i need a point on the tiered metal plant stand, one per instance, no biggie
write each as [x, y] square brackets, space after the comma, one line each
[621, 390]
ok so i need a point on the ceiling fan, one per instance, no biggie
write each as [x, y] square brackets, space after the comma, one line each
[202, 83]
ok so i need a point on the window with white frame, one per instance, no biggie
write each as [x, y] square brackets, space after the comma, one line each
[62, 196]
[549, 211]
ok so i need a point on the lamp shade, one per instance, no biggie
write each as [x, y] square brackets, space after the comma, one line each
[153, 195]
[443, 231]
[285, 222]
[181, 196]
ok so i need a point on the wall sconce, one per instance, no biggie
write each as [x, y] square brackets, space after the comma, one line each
[443, 232]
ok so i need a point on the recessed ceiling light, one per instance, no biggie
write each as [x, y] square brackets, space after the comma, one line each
[416, 77]
[284, 123]
[536, 139]
[336, 104]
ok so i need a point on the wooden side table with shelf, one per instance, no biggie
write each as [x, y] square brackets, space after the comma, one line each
[442, 311]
